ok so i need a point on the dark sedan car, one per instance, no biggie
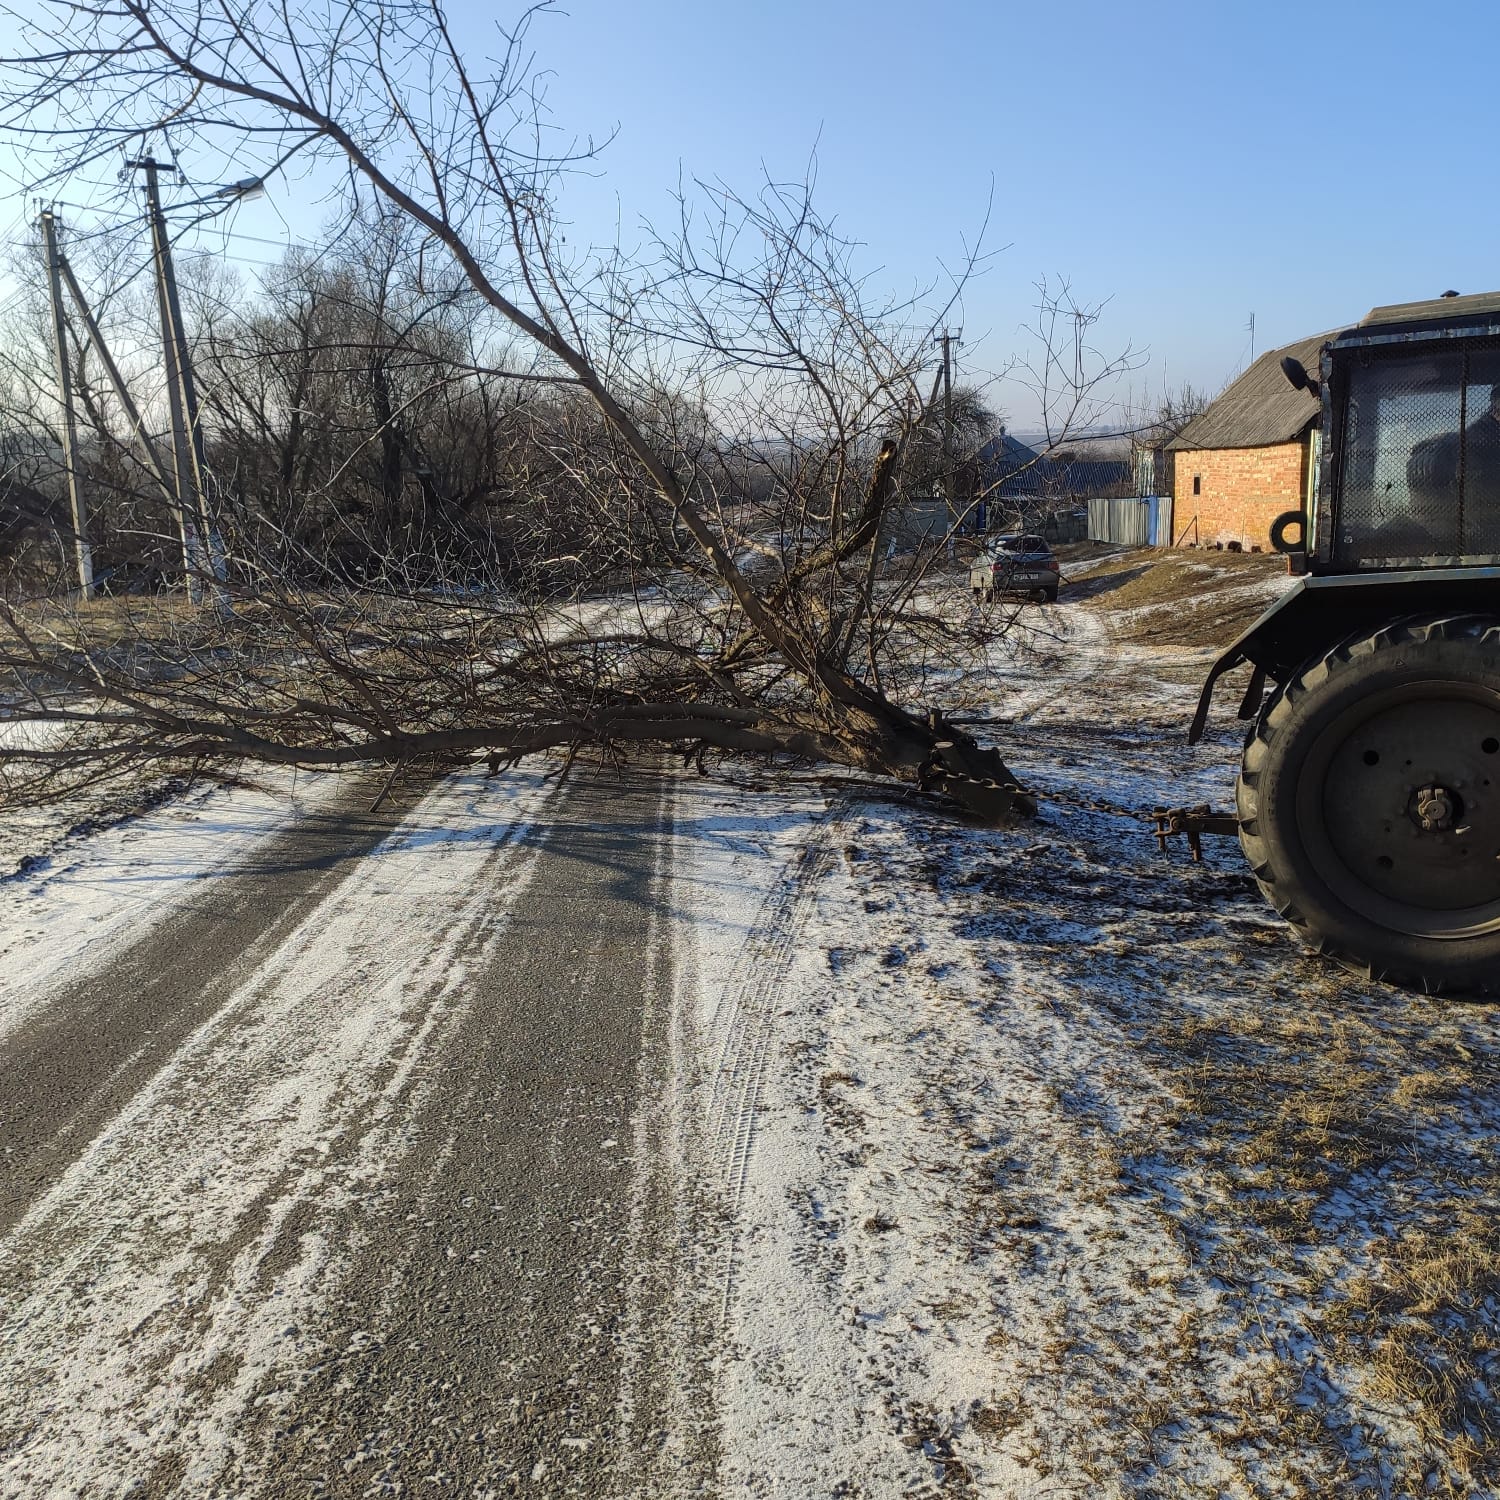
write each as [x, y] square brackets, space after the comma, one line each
[1016, 565]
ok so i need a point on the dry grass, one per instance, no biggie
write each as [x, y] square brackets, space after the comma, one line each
[1323, 1154]
[1306, 1113]
[1162, 577]
[999, 1418]
[1179, 598]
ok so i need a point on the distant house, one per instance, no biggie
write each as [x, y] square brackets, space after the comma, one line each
[1015, 481]
[1008, 469]
[1247, 458]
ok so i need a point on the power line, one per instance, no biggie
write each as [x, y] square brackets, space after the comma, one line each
[252, 239]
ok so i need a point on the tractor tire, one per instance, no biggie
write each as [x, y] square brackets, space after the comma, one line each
[1369, 804]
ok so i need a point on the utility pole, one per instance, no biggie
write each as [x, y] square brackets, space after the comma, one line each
[132, 412]
[69, 426]
[950, 488]
[182, 399]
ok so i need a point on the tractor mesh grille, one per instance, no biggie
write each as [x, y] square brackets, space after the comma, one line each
[1420, 481]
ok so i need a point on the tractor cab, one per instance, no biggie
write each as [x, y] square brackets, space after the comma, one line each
[1406, 515]
[1410, 468]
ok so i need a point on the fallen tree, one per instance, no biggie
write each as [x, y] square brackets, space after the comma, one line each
[764, 617]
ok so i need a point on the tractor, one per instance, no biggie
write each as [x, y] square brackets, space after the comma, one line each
[1368, 802]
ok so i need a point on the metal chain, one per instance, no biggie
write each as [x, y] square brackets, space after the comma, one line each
[1191, 823]
[1091, 804]
[1069, 799]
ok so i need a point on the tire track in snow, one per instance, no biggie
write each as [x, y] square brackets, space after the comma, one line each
[1049, 661]
[68, 920]
[167, 1273]
[666, 1413]
[744, 1017]
[802, 1404]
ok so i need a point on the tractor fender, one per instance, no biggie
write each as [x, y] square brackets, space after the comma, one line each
[1318, 612]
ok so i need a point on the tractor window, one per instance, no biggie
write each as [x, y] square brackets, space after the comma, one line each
[1421, 471]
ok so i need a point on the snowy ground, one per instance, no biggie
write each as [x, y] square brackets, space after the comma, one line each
[999, 1163]
[86, 878]
[1065, 1170]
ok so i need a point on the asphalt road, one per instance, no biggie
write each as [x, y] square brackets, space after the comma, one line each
[500, 1299]
[69, 1071]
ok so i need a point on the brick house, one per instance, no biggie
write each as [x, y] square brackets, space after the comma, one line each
[1250, 456]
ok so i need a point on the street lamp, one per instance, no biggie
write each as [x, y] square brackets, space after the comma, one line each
[241, 191]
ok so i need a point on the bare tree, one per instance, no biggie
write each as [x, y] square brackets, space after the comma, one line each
[744, 344]
[1067, 372]
[1152, 422]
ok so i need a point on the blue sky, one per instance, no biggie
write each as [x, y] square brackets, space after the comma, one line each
[1191, 163]
[1194, 163]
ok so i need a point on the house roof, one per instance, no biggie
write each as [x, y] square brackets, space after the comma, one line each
[1080, 475]
[1259, 409]
[1010, 467]
[1005, 452]
[1014, 471]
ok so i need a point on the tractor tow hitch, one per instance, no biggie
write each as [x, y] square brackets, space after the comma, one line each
[1193, 823]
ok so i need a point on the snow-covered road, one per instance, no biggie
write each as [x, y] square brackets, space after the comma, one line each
[331, 1168]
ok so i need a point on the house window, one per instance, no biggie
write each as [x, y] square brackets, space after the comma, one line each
[1197, 484]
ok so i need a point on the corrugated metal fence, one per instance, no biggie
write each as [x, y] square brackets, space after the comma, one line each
[1132, 522]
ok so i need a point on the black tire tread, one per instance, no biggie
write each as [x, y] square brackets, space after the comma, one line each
[1259, 748]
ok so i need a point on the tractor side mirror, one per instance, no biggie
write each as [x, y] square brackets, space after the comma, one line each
[1296, 372]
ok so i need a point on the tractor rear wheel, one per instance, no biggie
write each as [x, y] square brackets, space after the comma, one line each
[1369, 804]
